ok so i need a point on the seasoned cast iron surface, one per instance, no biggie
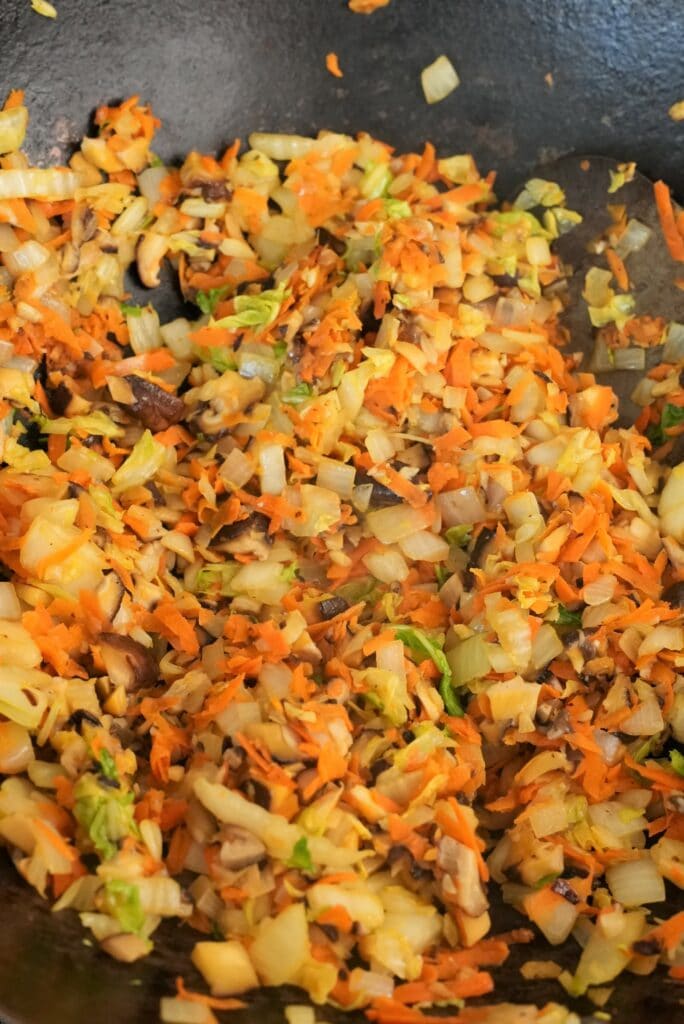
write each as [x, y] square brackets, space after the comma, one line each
[216, 69]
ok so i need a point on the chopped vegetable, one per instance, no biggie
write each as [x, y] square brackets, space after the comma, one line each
[45, 8]
[301, 858]
[366, 6]
[420, 643]
[332, 63]
[439, 79]
[334, 600]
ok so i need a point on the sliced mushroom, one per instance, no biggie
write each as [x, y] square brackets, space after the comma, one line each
[127, 662]
[484, 539]
[674, 594]
[151, 251]
[552, 718]
[83, 225]
[564, 889]
[110, 595]
[239, 848]
[332, 606]
[155, 408]
[247, 536]
[217, 400]
[58, 394]
[78, 717]
[381, 496]
[462, 878]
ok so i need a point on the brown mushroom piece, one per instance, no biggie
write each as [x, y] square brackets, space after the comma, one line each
[110, 594]
[127, 663]
[216, 401]
[674, 594]
[478, 552]
[245, 537]
[461, 876]
[329, 607]
[58, 394]
[381, 496]
[239, 848]
[155, 408]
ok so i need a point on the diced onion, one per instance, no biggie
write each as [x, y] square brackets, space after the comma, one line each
[26, 257]
[632, 358]
[660, 638]
[395, 523]
[45, 8]
[9, 603]
[634, 882]
[387, 566]
[380, 446]
[604, 957]
[225, 966]
[439, 79]
[132, 218]
[634, 237]
[237, 469]
[336, 476]
[538, 252]
[671, 505]
[13, 124]
[555, 919]
[458, 169]
[391, 658]
[600, 590]
[149, 184]
[272, 469]
[674, 342]
[425, 546]
[546, 646]
[281, 945]
[469, 660]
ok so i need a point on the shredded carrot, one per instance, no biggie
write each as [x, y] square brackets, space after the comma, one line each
[348, 584]
[673, 237]
[333, 65]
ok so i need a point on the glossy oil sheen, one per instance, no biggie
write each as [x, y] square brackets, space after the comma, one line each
[217, 69]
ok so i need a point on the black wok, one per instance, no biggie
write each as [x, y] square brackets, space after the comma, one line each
[539, 79]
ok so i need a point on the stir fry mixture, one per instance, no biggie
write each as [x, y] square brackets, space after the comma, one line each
[341, 600]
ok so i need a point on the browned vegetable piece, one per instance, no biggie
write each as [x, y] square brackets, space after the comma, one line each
[332, 606]
[239, 848]
[127, 662]
[155, 408]
[247, 536]
[462, 879]
[674, 594]
[110, 594]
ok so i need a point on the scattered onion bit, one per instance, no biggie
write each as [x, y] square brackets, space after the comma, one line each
[45, 8]
[676, 111]
[439, 79]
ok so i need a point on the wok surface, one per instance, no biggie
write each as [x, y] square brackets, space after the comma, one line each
[217, 69]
